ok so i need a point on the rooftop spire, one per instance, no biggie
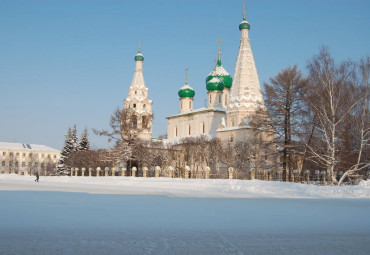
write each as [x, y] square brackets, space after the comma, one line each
[219, 49]
[139, 45]
[244, 17]
[186, 75]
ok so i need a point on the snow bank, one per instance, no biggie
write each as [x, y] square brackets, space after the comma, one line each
[183, 187]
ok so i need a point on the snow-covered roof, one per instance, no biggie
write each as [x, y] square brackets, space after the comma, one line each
[186, 86]
[219, 70]
[203, 109]
[26, 146]
[214, 80]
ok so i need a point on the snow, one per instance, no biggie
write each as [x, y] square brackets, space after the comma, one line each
[216, 188]
[100, 215]
[214, 80]
[219, 70]
[23, 147]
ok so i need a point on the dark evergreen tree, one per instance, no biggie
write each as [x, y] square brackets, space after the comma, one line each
[84, 141]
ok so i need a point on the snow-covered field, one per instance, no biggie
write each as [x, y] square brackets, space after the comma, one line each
[117, 215]
[183, 187]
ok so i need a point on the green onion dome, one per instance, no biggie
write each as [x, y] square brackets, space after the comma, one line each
[215, 84]
[220, 73]
[139, 57]
[186, 91]
[244, 25]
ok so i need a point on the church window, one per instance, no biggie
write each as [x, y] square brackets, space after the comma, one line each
[24, 154]
[10, 163]
[203, 128]
[181, 105]
[231, 138]
[232, 122]
[189, 129]
[175, 131]
[133, 122]
[190, 104]
[4, 153]
[144, 121]
[134, 105]
[144, 106]
[135, 92]
[219, 98]
[17, 154]
[210, 99]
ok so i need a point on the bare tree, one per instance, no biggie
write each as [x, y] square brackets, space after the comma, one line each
[332, 105]
[283, 115]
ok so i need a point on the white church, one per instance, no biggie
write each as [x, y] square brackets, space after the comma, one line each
[231, 101]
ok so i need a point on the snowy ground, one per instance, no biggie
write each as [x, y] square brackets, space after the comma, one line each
[183, 187]
[180, 217]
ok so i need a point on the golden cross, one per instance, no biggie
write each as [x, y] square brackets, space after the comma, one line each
[139, 45]
[186, 75]
[244, 18]
[219, 49]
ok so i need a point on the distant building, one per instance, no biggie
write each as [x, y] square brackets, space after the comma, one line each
[137, 104]
[27, 159]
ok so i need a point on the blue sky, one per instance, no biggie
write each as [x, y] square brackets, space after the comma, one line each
[71, 62]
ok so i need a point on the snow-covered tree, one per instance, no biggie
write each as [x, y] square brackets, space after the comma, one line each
[61, 168]
[84, 141]
[74, 139]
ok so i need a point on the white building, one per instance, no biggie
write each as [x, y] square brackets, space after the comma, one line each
[20, 158]
[231, 102]
[137, 102]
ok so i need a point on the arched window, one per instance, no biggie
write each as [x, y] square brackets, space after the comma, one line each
[231, 138]
[210, 99]
[133, 121]
[134, 105]
[189, 130]
[144, 106]
[144, 121]
[203, 127]
[175, 131]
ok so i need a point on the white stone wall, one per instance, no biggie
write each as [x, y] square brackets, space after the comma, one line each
[201, 122]
[23, 161]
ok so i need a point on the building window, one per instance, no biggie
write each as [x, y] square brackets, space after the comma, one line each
[144, 106]
[42, 155]
[10, 163]
[133, 122]
[16, 163]
[219, 98]
[190, 104]
[189, 130]
[181, 105]
[175, 131]
[24, 154]
[210, 99]
[203, 128]
[225, 99]
[23, 164]
[144, 121]
[232, 122]
[134, 105]
[49, 156]
[11, 154]
[55, 156]
[4, 153]
[231, 138]
[17, 154]
[3, 163]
